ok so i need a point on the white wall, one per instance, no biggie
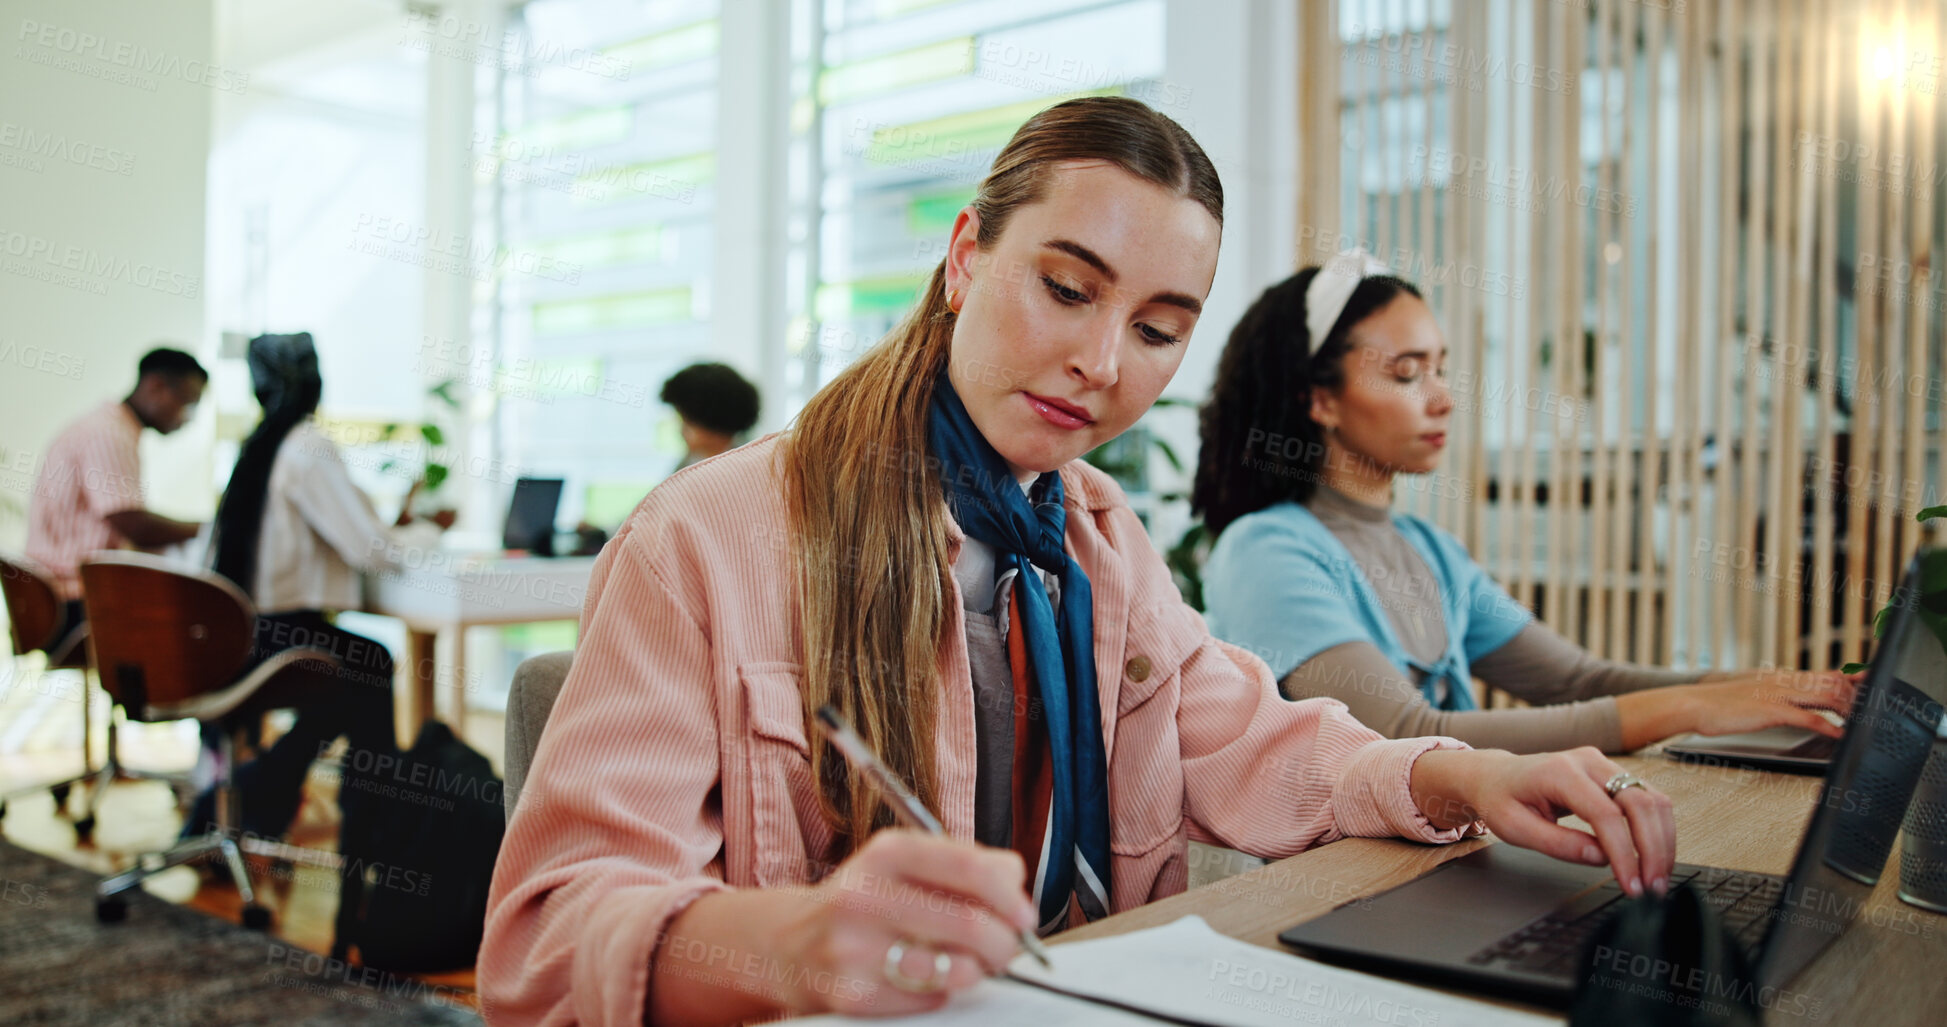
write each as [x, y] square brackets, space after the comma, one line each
[1232, 69]
[296, 185]
[104, 133]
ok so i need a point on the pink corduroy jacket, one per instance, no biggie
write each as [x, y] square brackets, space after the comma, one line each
[675, 761]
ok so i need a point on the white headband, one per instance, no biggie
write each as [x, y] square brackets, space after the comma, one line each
[1332, 286]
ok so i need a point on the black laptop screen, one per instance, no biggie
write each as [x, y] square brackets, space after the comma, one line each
[530, 517]
[1891, 730]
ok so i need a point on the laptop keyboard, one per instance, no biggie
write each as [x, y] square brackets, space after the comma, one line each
[1550, 944]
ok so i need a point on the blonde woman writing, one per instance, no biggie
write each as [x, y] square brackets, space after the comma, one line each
[924, 551]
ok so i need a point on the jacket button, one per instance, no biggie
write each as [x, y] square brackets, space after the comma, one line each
[1137, 669]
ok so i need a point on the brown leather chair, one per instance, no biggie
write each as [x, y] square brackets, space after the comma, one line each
[172, 643]
[34, 616]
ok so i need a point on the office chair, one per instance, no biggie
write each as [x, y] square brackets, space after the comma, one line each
[34, 619]
[172, 644]
[537, 681]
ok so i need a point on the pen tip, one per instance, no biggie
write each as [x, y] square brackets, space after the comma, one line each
[828, 715]
[1036, 949]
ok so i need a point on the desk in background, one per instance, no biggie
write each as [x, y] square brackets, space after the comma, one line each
[1886, 970]
[451, 592]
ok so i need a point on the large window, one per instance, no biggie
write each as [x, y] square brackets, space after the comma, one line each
[901, 106]
[603, 176]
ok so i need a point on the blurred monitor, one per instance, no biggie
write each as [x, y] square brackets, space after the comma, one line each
[530, 517]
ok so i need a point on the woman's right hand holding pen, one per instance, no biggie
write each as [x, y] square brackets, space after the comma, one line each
[935, 897]
[824, 948]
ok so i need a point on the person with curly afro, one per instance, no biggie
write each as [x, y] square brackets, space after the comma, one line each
[717, 406]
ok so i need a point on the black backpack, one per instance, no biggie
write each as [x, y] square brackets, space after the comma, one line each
[419, 838]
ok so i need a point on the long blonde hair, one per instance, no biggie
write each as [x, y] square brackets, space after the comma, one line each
[864, 497]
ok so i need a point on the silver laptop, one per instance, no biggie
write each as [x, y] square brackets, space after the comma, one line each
[1515, 922]
[1791, 749]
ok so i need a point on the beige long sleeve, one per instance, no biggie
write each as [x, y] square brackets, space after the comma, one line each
[1570, 686]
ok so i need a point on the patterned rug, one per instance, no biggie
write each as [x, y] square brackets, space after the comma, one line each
[167, 965]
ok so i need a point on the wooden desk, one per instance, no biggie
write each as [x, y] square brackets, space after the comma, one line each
[451, 592]
[1889, 969]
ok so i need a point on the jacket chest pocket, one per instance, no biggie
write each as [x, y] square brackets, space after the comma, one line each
[1161, 639]
[784, 819]
[1146, 772]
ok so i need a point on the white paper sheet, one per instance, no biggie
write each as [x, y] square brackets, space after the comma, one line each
[1188, 971]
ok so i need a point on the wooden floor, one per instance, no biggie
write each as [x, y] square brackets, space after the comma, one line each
[40, 741]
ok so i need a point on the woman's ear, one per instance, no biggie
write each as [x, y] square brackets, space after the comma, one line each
[962, 247]
[1324, 408]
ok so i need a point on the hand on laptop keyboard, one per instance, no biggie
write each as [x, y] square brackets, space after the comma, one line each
[1521, 797]
[1758, 699]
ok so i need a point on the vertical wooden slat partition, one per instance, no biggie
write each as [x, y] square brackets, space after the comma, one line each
[1817, 484]
[1640, 632]
[1598, 548]
[1743, 544]
[1730, 80]
[1686, 480]
[1865, 403]
[1913, 224]
[1684, 255]
[1934, 34]
[1928, 319]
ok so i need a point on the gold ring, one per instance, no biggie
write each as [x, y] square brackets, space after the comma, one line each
[942, 965]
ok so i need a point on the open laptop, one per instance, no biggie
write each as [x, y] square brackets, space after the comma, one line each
[1515, 922]
[530, 516]
[1791, 749]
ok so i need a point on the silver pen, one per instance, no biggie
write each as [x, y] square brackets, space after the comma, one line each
[903, 802]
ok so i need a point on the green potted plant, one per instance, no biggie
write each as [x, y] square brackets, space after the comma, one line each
[434, 473]
[1125, 458]
[1931, 604]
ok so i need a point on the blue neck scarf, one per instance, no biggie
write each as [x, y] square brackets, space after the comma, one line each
[987, 502]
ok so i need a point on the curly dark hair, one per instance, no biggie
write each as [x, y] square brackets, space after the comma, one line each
[714, 397]
[1261, 400]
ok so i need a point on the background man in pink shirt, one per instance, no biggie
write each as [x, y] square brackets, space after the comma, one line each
[89, 494]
